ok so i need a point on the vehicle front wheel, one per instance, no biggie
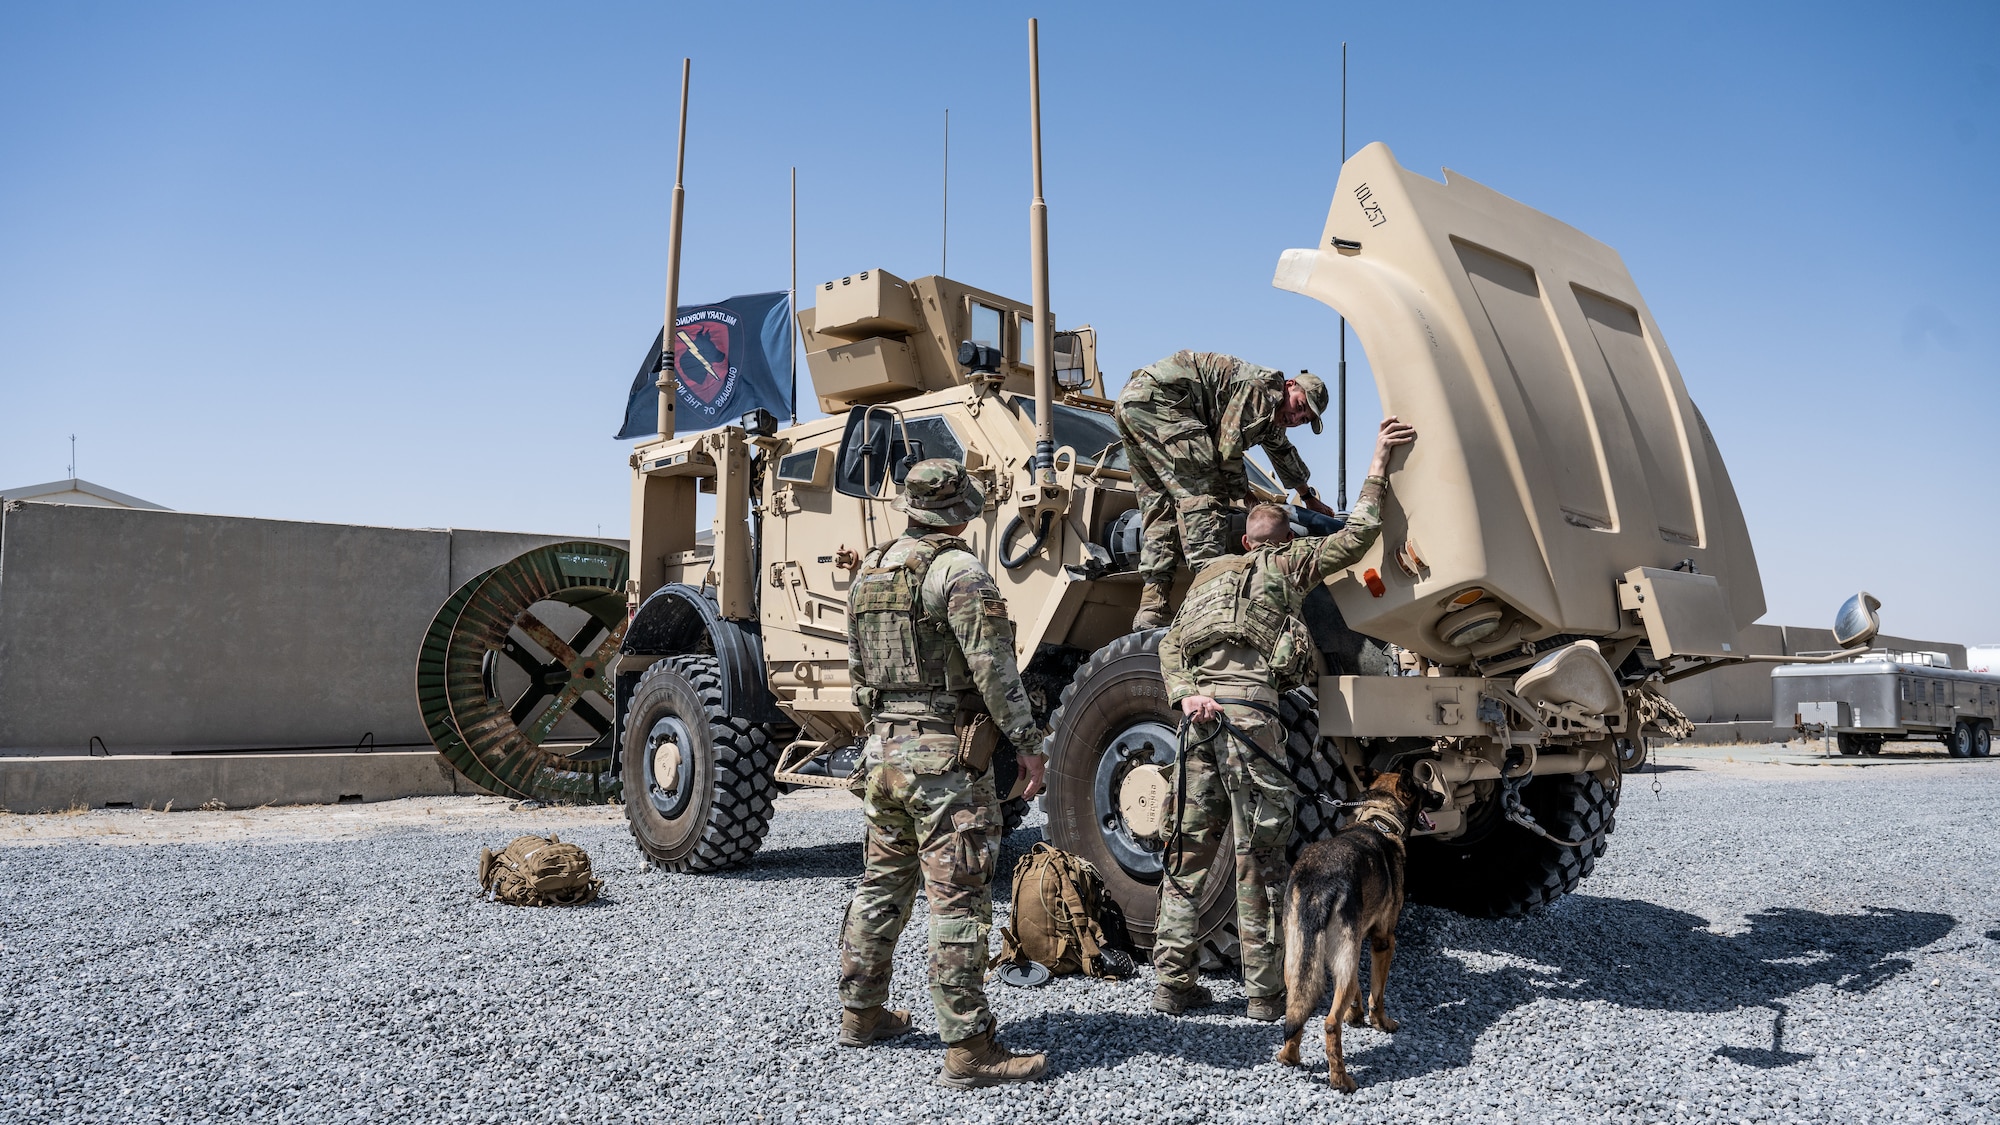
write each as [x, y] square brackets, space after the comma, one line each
[1508, 870]
[1961, 741]
[1112, 719]
[698, 783]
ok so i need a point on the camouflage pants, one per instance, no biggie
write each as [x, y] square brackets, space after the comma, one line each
[1184, 495]
[1227, 786]
[942, 826]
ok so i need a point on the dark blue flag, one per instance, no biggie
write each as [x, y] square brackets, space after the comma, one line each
[731, 357]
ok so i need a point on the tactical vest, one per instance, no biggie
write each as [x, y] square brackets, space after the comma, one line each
[1244, 600]
[899, 650]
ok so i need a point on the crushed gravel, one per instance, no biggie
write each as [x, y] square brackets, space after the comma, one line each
[1750, 949]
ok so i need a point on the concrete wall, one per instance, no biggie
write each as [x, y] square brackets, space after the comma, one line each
[158, 630]
[1742, 694]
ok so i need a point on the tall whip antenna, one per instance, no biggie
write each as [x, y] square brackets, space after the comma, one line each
[944, 241]
[666, 381]
[1342, 498]
[792, 330]
[1038, 235]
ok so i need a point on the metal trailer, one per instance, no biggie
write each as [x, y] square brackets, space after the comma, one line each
[1871, 701]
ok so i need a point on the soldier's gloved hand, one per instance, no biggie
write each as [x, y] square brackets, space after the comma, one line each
[1309, 496]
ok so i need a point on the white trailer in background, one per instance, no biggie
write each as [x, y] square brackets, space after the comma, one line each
[1890, 697]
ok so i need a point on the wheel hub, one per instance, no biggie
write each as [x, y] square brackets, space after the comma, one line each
[1148, 742]
[666, 762]
[667, 765]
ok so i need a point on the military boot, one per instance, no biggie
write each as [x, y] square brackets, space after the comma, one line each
[983, 1061]
[1270, 1009]
[1154, 610]
[862, 1026]
[1177, 1001]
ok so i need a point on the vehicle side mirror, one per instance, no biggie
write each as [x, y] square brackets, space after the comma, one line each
[1857, 622]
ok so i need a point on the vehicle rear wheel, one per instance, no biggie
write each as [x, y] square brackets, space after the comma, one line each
[1315, 767]
[1961, 741]
[1850, 744]
[698, 783]
[1982, 740]
[1508, 871]
[1113, 718]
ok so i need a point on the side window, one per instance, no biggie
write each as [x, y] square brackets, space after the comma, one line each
[878, 441]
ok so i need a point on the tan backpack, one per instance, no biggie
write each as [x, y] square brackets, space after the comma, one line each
[1057, 901]
[534, 871]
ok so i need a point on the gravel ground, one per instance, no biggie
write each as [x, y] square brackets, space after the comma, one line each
[1817, 946]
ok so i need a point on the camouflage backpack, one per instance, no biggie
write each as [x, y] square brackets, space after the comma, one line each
[1055, 922]
[537, 871]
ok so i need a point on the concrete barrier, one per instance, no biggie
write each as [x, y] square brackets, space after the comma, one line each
[153, 631]
[1740, 696]
[237, 781]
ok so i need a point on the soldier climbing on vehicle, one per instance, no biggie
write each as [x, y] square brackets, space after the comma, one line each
[931, 656]
[1187, 421]
[1236, 645]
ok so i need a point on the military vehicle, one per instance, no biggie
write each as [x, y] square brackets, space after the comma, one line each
[1562, 539]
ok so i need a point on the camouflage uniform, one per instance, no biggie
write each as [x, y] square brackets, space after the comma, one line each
[1187, 422]
[1254, 653]
[930, 646]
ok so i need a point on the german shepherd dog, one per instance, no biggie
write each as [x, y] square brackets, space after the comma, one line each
[1340, 890]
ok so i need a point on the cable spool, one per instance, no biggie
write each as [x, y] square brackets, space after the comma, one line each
[519, 706]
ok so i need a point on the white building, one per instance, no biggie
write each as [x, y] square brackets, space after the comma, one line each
[73, 491]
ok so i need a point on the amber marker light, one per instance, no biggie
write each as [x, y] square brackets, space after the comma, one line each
[1372, 579]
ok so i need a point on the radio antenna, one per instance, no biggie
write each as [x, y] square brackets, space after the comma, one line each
[792, 330]
[1342, 498]
[944, 241]
[668, 380]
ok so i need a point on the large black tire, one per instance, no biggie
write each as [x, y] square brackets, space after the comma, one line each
[1118, 693]
[1852, 745]
[1500, 869]
[1315, 768]
[1982, 740]
[1960, 745]
[714, 813]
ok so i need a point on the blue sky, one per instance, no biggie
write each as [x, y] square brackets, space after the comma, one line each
[395, 264]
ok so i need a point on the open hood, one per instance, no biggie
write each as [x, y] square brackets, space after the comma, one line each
[1558, 448]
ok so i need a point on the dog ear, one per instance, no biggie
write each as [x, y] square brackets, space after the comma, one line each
[1365, 776]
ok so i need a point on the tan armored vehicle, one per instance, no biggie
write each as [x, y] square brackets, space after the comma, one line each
[1561, 537]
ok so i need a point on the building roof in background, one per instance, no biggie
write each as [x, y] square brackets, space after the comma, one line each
[71, 490]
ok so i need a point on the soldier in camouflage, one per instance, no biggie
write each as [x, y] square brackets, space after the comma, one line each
[1236, 645]
[1187, 422]
[931, 657]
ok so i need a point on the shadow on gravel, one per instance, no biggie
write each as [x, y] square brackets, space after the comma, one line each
[1631, 953]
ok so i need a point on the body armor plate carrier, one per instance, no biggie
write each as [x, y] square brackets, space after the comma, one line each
[1240, 600]
[901, 651]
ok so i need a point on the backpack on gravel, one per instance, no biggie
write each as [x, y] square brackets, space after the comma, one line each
[538, 871]
[1056, 917]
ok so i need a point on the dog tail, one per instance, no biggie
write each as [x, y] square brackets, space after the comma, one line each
[1305, 960]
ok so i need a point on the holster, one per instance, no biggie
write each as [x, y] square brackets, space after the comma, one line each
[978, 739]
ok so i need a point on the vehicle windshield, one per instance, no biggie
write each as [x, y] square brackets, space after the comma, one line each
[1090, 433]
